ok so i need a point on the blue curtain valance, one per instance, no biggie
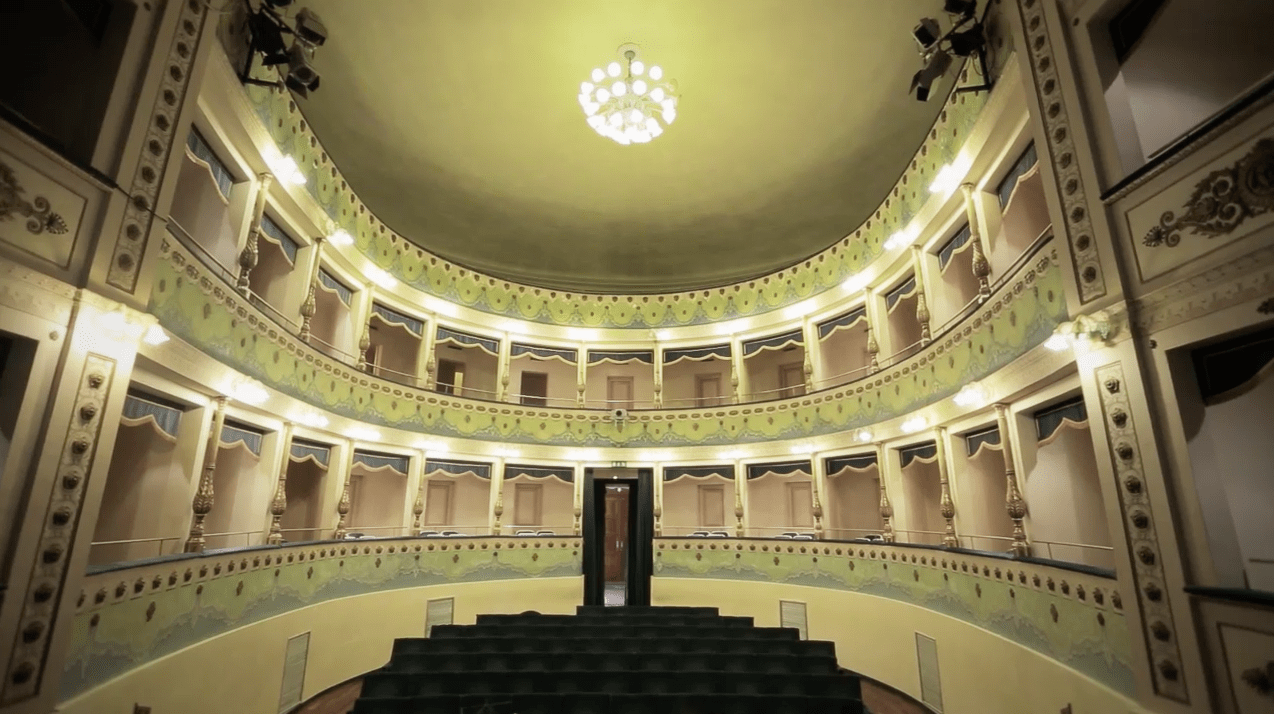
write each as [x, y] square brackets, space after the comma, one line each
[564, 473]
[1020, 168]
[829, 326]
[1049, 419]
[958, 241]
[924, 452]
[697, 353]
[546, 352]
[394, 317]
[276, 235]
[904, 289]
[199, 147]
[463, 338]
[673, 473]
[621, 356]
[302, 450]
[456, 468]
[795, 337]
[166, 418]
[974, 440]
[251, 438]
[373, 460]
[336, 286]
[858, 462]
[782, 469]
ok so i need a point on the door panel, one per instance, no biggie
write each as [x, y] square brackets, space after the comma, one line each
[619, 392]
[535, 389]
[711, 506]
[800, 505]
[526, 504]
[707, 390]
[616, 531]
[438, 504]
[792, 380]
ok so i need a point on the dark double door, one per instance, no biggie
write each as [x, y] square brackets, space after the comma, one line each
[618, 527]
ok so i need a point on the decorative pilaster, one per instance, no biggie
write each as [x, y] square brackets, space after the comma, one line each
[813, 366]
[947, 507]
[740, 483]
[342, 506]
[201, 506]
[581, 375]
[886, 509]
[251, 249]
[425, 363]
[820, 482]
[578, 495]
[364, 344]
[658, 483]
[659, 385]
[418, 508]
[502, 368]
[922, 303]
[873, 351]
[311, 295]
[981, 268]
[1013, 500]
[734, 384]
[280, 503]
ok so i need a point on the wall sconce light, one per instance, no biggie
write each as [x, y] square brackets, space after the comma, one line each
[311, 419]
[340, 238]
[287, 170]
[902, 238]
[731, 455]
[247, 390]
[914, 424]
[803, 449]
[972, 395]
[362, 433]
[155, 335]
[854, 283]
[863, 436]
[1084, 328]
[950, 176]
[380, 277]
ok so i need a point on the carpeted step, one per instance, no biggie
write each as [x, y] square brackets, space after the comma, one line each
[571, 645]
[765, 662]
[601, 703]
[606, 630]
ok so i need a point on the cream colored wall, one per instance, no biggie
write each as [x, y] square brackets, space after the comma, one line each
[145, 466]
[679, 381]
[470, 501]
[681, 504]
[479, 369]
[204, 213]
[399, 350]
[562, 379]
[377, 500]
[557, 502]
[1021, 221]
[763, 370]
[979, 500]
[332, 322]
[1231, 453]
[767, 504]
[304, 491]
[853, 503]
[1062, 482]
[845, 355]
[240, 487]
[903, 327]
[643, 382]
[922, 491]
[981, 673]
[242, 670]
[273, 277]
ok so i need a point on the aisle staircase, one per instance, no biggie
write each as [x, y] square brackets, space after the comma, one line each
[627, 660]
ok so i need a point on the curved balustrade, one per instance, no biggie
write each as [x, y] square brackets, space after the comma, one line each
[1020, 313]
[141, 625]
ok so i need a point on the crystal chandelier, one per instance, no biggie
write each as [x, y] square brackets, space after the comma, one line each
[628, 101]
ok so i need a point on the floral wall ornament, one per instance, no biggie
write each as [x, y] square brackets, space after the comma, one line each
[1223, 199]
[41, 218]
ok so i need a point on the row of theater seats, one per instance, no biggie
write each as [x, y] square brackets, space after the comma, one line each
[630, 660]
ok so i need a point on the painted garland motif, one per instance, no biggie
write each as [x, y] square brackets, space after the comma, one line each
[1223, 200]
[41, 218]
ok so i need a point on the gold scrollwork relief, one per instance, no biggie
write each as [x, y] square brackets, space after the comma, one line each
[1222, 200]
[1148, 574]
[41, 218]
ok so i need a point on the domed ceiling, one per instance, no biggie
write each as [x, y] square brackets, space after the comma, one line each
[457, 123]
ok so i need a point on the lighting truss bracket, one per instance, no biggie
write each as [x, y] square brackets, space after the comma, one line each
[988, 83]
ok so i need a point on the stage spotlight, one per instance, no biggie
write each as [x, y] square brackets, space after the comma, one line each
[936, 65]
[302, 77]
[310, 28]
[267, 38]
[964, 8]
[278, 3]
[927, 33]
[967, 42]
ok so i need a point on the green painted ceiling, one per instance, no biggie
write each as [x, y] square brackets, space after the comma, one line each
[456, 122]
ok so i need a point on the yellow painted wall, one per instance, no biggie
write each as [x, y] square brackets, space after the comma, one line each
[241, 671]
[981, 673]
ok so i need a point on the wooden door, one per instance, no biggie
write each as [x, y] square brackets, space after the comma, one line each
[707, 390]
[535, 389]
[800, 504]
[712, 506]
[791, 379]
[526, 504]
[619, 392]
[438, 503]
[616, 532]
[449, 376]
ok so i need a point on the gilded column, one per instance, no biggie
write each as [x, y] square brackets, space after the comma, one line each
[426, 356]
[658, 483]
[659, 379]
[738, 371]
[578, 495]
[418, 508]
[886, 509]
[922, 305]
[497, 507]
[202, 504]
[251, 249]
[981, 268]
[280, 503]
[1013, 501]
[581, 375]
[819, 469]
[813, 366]
[503, 369]
[342, 506]
[947, 506]
[311, 296]
[740, 485]
[364, 344]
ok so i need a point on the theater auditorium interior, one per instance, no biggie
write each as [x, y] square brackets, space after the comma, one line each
[636, 357]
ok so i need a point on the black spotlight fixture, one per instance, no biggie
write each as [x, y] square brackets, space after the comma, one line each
[966, 38]
[266, 30]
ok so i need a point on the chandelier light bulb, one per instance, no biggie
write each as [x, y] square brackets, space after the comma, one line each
[628, 110]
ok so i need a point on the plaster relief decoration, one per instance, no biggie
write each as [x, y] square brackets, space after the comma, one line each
[1143, 541]
[161, 134]
[27, 216]
[40, 605]
[1251, 668]
[1077, 224]
[1195, 216]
